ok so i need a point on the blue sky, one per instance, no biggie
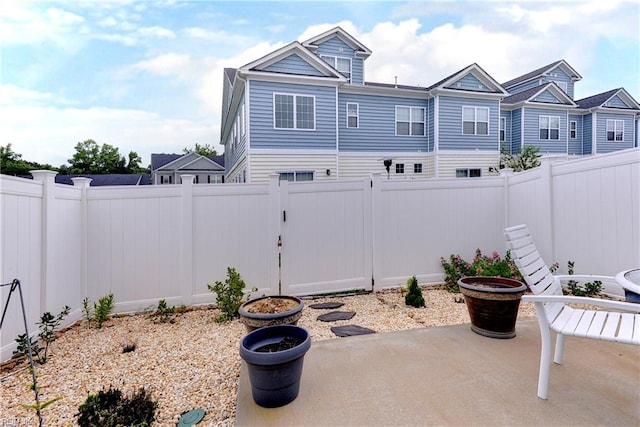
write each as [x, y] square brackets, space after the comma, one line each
[146, 76]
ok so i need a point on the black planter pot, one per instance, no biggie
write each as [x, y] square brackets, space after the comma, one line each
[275, 376]
[493, 304]
[253, 321]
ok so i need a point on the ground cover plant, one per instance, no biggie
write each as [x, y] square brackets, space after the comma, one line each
[112, 408]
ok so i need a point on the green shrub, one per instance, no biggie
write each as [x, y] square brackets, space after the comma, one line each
[229, 295]
[102, 309]
[414, 295]
[49, 325]
[110, 409]
[586, 289]
[529, 158]
[164, 313]
[481, 265]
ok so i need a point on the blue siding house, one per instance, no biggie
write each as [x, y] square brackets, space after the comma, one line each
[306, 112]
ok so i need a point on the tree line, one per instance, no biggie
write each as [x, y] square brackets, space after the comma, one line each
[89, 158]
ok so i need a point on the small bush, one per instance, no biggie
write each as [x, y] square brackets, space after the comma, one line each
[414, 295]
[529, 158]
[587, 289]
[164, 313]
[110, 409]
[229, 295]
[481, 265]
[102, 309]
[49, 325]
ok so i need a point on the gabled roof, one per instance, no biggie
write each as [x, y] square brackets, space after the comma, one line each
[477, 72]
[288, 50]
[531, 94]
[182, 161]
[602, 98]
[361, 51]
[101, 180]
[543, 71]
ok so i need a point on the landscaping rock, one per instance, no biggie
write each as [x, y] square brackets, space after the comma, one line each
[326, 305]
[336, 315]
[351, 330]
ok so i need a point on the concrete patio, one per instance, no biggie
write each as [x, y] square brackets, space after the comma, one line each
[452, 376]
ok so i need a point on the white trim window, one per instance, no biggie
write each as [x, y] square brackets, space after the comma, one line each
[468, 173]
[294, 111]
[563, 86]
[615, 130]
[549, 127]
[343, 65]
[353, 115]
[399, 168]
[573, 129]
[417, 168]
[503, 129]
[475, 120]
[410, 121]
[296, 176]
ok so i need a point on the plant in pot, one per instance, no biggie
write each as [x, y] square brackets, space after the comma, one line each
[274, 356]
[270, 310]
[492, 290]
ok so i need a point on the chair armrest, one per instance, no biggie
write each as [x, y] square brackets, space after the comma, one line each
[585, 278]
[569, 299]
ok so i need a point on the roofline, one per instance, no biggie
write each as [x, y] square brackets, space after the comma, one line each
[362, 51]
[553, 65]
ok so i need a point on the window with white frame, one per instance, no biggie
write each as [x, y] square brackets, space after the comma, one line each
[399, 167]
[549, 127]
[468, 173]
[417, 168]
[475, 120]
[353, 116]
[293, 176]
[343, 65]
[563, 86]
[294, 111]
[573, 129]
[503, 127]
[410, 121]
[615, 130]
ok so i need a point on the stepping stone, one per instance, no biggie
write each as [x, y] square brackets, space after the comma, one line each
[351, 330]
[326, 305]
[336, 315]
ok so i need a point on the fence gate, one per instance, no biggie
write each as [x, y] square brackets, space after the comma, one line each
[326, 237]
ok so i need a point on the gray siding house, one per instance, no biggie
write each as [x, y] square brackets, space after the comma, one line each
[306, 112]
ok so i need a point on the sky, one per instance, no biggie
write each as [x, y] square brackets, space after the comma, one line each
[146, 76]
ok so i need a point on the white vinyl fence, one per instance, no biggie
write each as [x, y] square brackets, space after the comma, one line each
[143, 244]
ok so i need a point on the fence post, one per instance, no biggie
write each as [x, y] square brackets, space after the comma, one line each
[505, 173]
[547, 211]
[186, 239]
[375, 230]
[47, 178]
[83, 184]
[275, 233]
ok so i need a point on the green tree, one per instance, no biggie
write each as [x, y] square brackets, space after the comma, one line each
[91, 158]
[11, 163]
[203, 150]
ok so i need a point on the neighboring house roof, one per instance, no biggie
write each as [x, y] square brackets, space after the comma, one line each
[531, 94]
[108, 179]
[294, 48]
[543, 71]
[361, 51]
[599, 100]
[184, 161]
[477, 72]
[231, 73]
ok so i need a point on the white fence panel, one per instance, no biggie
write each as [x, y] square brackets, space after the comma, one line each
[133, 245]
[234, 227]
[596, 212]
[20, 255]
[326, 236]
[417, 222]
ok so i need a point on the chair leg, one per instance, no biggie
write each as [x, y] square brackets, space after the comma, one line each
[545, 362]
[559, 353]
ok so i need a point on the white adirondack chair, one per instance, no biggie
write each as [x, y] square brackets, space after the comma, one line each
[612, 321]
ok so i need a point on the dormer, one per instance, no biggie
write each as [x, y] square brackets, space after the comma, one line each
[343, 52]
[559, 72]
[471, 81]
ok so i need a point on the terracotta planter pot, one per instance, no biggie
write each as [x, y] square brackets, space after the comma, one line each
[493, 304]
[254, 316]
[275, 373]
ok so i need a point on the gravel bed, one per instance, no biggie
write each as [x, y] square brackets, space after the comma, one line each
[193, 362]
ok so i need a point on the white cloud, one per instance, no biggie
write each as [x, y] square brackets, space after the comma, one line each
[156, 32]
[59, 130]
